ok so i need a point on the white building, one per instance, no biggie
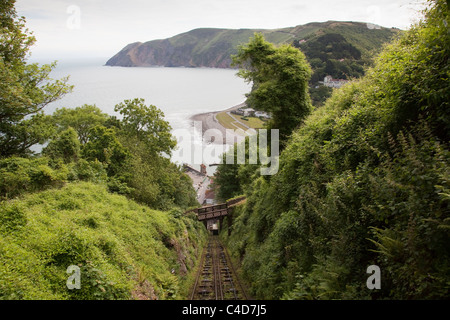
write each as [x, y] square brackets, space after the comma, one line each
[328, 81]
[262, 114]
[248, 112]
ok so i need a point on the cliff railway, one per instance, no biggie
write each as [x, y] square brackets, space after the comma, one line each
[216, 278]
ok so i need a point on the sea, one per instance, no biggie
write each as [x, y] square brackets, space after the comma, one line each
[178, 92]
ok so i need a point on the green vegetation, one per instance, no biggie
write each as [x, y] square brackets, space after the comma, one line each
[319, 94]
[81, 119]
[340, 52]
[231, 181]
[124, 250]
[126, 154]
[331, 54]
[20, 175]
[25, 89]
[363, 181]
[280, 82]
[229, 123]
[254, 122]
[58, 208]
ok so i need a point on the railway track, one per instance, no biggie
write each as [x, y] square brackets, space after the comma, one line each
[216, 278]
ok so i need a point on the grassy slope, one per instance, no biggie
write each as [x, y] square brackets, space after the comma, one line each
[226, 121]
[364, 38]
[229, 123]
[254, 122]
[125, 250]
[357, 33]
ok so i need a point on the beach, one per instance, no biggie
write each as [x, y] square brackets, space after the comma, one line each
[209, 121]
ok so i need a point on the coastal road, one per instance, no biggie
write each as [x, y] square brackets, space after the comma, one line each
[240, 122]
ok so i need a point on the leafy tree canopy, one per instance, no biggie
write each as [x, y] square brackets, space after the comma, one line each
[65, 146]
[104, 146]
[25, 89]
[146, 124]
[82, 119]
[280, 78]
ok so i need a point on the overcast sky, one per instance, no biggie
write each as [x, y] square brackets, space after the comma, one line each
[100, 28]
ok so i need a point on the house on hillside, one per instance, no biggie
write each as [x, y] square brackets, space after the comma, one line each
[262, 114]
[250, 112]
[328, 81]
[246, 112]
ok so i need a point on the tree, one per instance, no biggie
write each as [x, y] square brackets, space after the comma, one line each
[280, 82]
[146, 124]
[15, 40]
[65, 146]
[25, 89]
[82, 119]
[151, 177]
[320, 94]
[104, 146]
[226, 181]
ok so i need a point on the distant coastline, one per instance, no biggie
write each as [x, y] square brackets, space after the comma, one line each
[213, 47]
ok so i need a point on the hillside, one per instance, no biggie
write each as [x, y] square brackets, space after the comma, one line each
[124, 250]
[363, 181]
[97, 214]
[208, 47]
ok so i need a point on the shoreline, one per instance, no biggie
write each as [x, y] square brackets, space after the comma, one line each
[209, 121]
[207, 117]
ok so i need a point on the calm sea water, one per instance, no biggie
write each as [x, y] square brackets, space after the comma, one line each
[178, 92]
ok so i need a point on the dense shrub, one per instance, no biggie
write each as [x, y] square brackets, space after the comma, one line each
[85, 170]
[64, 146]
[19, 175]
